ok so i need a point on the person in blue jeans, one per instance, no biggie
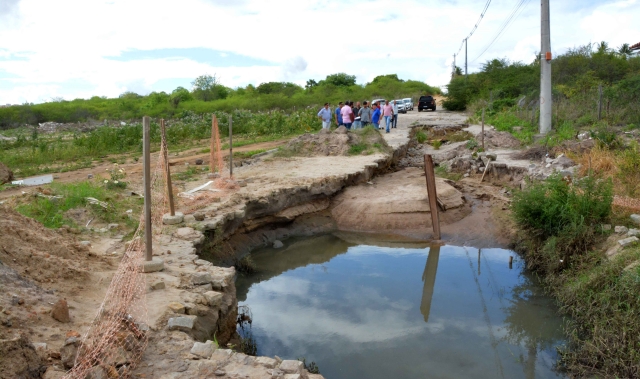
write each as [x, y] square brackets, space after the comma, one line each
[375, 117]
[338, 115]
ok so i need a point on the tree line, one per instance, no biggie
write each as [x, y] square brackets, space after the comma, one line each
[208, 95]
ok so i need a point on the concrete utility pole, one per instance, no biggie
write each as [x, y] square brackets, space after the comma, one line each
[453, 71]
[465, 57]
[546, 101]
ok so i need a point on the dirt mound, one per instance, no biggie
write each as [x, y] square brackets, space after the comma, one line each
[20, 359]
[40, 254]
[496, 139]
[337, 143]
[535, 153]
[390, 208]
[6, 175]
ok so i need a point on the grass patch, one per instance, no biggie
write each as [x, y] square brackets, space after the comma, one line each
[358, 148]
[247, 154]
[443, 172]
[621, 166]
[190, 173]
[421, 136]
[436, 144]
[50, 212]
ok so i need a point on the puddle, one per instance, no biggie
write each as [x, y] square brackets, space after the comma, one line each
[361, 309]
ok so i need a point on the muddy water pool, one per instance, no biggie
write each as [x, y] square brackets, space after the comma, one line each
[362, 308]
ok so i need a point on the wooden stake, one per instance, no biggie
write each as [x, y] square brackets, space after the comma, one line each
[599, 101]
[166, 167]
[482, 129]
[432, 193]
[230, 147]
[485, 171]
[212, 156]
[146, 126]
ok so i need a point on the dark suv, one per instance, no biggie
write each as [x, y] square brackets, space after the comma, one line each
[426, 102]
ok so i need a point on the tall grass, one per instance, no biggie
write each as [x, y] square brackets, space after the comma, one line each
[68, 151]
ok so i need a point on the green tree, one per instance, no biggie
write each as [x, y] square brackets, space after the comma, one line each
[340, 80]
[207, 88]
[179, 95]
[310, 84]
[625, 51]
[287, 89]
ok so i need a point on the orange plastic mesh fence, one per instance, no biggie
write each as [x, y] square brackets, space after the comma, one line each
[215, 157]
[117, 337]
[627, 203]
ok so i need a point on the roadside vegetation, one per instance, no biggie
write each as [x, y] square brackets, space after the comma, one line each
[208, 95]
[509, 93]
[268, 112]
[561, 237]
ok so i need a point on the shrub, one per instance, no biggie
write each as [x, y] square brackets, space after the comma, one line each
[436, 144]
[562, 217]
[421, 136]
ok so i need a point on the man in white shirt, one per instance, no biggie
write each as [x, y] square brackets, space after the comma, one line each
[394, 122]
[325, 114]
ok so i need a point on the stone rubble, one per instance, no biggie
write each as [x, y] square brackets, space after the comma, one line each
[628, 241]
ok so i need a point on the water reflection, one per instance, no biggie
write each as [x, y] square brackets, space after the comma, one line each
[379, 312]
[429, 279]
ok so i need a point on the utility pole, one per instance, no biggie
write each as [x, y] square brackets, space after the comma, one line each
[453, 70]
[546, 101]
[465, 57]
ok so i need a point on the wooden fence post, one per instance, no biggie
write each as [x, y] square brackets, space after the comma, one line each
[482, 129]
[433, 195]
[167, 169]
[230, 147]
[212, 156]
[146, 126]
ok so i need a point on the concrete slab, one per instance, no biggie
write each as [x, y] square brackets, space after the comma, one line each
[154, 265]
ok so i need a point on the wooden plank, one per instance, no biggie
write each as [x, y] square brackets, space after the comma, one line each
[432, 193]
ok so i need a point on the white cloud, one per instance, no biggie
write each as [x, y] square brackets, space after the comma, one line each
[66, 42]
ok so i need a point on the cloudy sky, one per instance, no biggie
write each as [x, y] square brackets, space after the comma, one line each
[82, 48]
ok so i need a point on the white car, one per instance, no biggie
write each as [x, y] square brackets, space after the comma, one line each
[408, 104]
[381, 101]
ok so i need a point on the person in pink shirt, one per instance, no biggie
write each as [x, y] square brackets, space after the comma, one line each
[347, 115]
[387, 112]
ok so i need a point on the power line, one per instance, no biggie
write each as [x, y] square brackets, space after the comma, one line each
[515, 13]
[486, 6]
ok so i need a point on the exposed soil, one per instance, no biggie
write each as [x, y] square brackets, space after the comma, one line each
[40, 254]
[502, 140]
[6, 175]
[396, 203]
[328, 143]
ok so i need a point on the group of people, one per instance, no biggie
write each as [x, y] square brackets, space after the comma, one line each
[360, 116]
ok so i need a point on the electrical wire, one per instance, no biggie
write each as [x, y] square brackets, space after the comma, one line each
[486, 6]
[515, 13]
